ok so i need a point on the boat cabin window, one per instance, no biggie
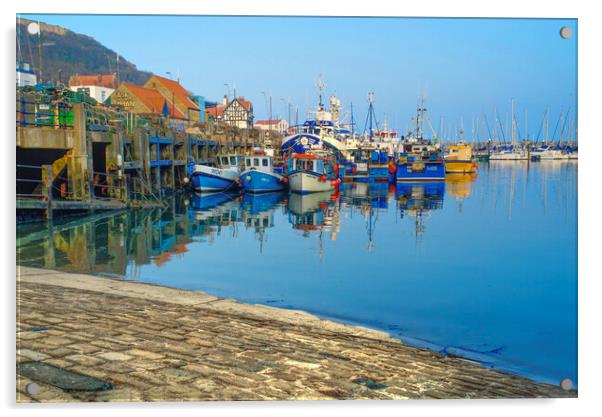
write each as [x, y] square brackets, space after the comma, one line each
[233, 161]
[265, 162]
[255, 162]
[224, 160]
[248, 162]
[305, 164]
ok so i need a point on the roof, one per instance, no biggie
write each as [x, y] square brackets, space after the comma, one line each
[106, 80]
[245, 103]
[153, 100]
[179, 91]
[217, 111]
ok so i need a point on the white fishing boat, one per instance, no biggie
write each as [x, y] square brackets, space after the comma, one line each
[310, 173]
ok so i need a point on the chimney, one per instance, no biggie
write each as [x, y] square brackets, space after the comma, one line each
[225, 102]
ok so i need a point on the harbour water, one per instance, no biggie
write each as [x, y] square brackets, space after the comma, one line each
[483, 266]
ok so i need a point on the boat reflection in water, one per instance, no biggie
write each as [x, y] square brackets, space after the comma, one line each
[460, 186]
[316, 211]
[258, 212]
[417, 200]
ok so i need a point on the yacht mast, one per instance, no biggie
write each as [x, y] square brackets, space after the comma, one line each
[513, 123]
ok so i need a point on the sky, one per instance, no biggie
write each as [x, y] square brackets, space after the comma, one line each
[464, 68]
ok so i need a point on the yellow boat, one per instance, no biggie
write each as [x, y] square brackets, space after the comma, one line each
[459, 160]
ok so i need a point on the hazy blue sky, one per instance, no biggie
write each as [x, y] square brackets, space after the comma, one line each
[463, 66]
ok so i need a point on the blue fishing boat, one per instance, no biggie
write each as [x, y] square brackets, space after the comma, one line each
[260, 175]
[223, 176]
[420, 161]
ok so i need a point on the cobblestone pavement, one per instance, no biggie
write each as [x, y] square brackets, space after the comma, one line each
[160, 344]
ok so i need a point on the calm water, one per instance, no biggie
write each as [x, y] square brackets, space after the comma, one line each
[484, 267]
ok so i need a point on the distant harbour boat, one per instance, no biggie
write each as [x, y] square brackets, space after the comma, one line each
[510, 154]
[224, 176]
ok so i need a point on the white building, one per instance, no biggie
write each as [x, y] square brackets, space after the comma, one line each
[25, 75]
[278, 125]
[99, 87]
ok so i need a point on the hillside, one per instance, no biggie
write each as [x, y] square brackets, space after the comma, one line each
[72, 53]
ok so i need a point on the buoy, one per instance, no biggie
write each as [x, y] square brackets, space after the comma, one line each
[185, 180]
[248, 178]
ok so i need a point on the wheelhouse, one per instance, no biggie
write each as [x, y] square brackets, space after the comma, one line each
[259, 162]
[228, 161]
[308, 162]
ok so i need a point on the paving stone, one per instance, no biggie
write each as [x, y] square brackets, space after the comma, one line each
[160, 350]
[33, 355]
[114, 356]
[145, 354]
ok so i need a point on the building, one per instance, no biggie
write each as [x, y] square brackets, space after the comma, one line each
[278, 125]
[25, 75]
[141, 100]
[182, 99]
[99, 87]
[237, 112]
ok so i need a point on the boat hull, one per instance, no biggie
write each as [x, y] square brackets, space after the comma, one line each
[509, 157]
[420, 171]
[209, 179]
[254, 181]
[309, 182]
[379, 173]
[460, 167]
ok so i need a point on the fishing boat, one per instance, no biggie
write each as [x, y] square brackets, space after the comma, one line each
[322, 129]
[420, 162]
[459, 159]
[223, 176]
[418, 158]
[260, 175]
[312, 172]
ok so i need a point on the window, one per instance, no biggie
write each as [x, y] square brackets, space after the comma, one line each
[264, 162]
[233, 160]
[256, 162]
[248, 163]
[224, 160]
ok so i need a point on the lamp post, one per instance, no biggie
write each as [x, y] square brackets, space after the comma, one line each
[35, 29]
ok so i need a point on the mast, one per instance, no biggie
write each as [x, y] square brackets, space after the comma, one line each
[352, 122]
[547, 124]
[513, 122]
[526, 125]
[320, 85]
